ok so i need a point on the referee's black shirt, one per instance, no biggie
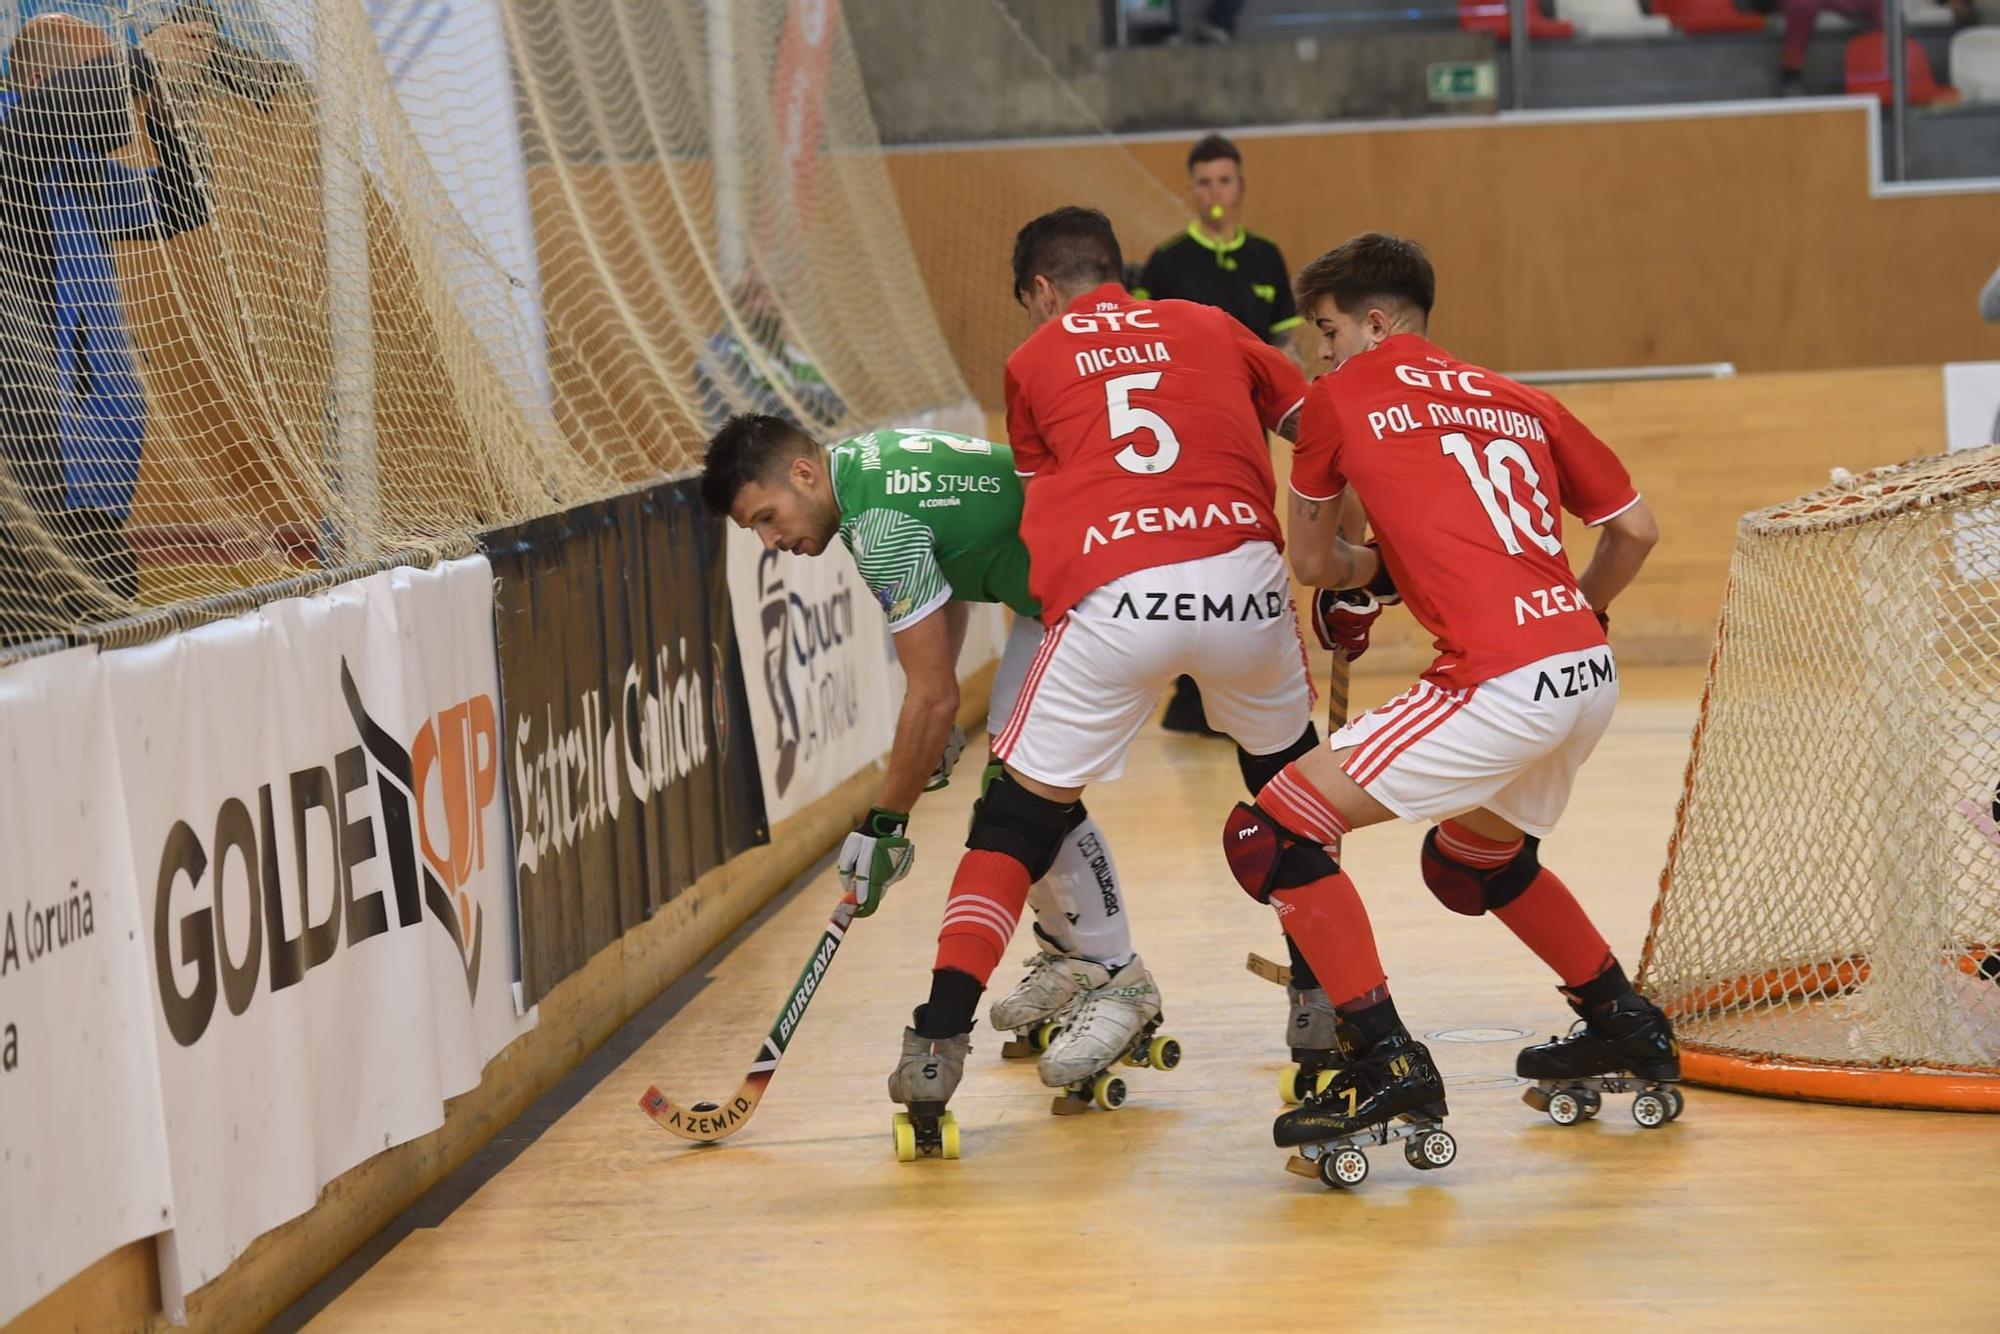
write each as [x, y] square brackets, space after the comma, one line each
[1245, 276]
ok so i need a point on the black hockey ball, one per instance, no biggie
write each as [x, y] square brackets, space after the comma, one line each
[706, 1107]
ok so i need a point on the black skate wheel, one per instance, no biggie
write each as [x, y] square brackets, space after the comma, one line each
[1592, 1101]
[1431, 1150]
[1675, 1102]
[1565, 1108]
[1650, 1110]
[1341, 1168]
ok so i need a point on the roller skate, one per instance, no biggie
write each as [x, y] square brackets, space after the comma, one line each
[1115, 1017]
[1391, 1092]
[1624, 1046]
[1320, 1045]
[1032, 1008]
[923, 1081]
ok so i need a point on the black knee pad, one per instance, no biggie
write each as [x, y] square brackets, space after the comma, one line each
[1074, 822]
[1471, 890]
[1261, 769]
[1265, 857]
[1010, 819]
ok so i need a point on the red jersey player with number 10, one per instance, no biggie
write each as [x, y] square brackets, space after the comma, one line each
[1154, 550]
[1465, 476]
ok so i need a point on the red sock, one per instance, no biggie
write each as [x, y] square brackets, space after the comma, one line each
[1550, 922]
[1295, 803]
[987, 895]
[1329, 925]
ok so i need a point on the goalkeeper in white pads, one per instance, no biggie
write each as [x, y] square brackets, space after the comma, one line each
[932, 520]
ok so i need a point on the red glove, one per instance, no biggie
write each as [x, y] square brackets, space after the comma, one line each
[1342, 621]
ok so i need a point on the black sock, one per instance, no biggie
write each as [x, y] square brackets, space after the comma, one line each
[1607, 986]
[1373, 1017]
[954, 998]
[1302, 972]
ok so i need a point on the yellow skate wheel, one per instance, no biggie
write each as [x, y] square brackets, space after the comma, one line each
[1288, 1087]
[906, 1139]
[1108, 1091]
[1044, 1036]
[1163, 1053]
[948, 1136]
[1321, 1080]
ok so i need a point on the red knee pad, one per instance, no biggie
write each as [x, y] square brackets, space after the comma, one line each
[1265, 856]
[1472, 890]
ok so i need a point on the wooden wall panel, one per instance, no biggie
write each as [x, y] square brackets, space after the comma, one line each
[1747, 238]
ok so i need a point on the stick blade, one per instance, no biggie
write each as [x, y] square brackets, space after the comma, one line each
[704, 1122]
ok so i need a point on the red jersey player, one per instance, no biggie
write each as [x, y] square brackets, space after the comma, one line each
[1465, 476]
[1154, 550]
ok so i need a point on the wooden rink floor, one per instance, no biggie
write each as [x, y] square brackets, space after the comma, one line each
[1176, 1212]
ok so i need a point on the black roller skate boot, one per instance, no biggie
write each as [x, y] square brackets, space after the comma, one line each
[1625, 1045]
[1390, 1092]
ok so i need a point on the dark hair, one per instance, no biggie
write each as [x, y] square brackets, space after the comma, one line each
[1072, 247]
[1370, 268]
[750, 447]
[1211, 147]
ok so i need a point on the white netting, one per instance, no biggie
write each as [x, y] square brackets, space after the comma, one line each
[1832, 894]
[290, 300]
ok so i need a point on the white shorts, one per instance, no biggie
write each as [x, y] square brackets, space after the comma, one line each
[1017, 655]
[1225, 620]
[1511, 744]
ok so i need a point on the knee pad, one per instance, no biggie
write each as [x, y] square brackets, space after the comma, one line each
[1265, 857]
[1471, 890]
[1260, 769]
[1010, 819]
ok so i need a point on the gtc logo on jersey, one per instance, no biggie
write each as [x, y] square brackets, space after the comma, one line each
[1464, 382]
[1109, 320]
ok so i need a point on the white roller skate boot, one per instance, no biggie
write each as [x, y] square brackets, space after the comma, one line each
[924, 1079]
[1115, 1017]
[1031, 1009]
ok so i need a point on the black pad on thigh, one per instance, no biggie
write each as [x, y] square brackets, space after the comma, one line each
[1029, 828]
[1261, 769]
[1265, 857]
[1471, 890]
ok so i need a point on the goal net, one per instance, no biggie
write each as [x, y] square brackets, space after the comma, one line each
[289, 287]
[1828, 923]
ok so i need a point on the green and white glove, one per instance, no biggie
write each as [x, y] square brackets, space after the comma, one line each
[954, 746]
[874, 857]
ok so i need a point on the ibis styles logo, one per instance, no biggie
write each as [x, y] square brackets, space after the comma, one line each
[219, 921]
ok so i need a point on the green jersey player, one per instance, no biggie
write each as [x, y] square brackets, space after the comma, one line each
[932, 520]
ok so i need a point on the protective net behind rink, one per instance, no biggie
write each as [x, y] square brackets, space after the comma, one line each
[1829, 919]
[290, 285]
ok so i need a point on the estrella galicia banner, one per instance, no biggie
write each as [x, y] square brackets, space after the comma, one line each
[625, 731]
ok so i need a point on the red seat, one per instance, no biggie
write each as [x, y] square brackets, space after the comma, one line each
[1492, 16]
[1868, 72]
[1698, 16]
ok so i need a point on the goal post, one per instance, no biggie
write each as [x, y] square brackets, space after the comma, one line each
[1828, 924]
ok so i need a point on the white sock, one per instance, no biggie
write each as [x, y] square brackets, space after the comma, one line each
[1080, 904]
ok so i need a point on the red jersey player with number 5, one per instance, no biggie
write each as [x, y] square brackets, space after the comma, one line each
[1154, 550]
[1465, 476]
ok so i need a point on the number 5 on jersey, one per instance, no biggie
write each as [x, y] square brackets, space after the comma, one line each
[1127, 419]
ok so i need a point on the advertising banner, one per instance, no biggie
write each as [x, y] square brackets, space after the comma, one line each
[626, 734]
[317, 812]
[83, 1155]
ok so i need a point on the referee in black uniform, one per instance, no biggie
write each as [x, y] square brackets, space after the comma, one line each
[1219, 263]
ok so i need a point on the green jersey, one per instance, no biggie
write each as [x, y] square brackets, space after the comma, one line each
[931, 516]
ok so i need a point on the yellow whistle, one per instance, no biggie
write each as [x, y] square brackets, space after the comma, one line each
[1215, 212]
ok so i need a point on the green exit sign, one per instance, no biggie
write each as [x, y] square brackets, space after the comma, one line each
[1464, 81]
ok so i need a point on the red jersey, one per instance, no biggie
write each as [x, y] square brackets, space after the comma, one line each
[1142, 424]
[1464, 474]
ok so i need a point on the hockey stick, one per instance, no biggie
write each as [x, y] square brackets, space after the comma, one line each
[707, 1122]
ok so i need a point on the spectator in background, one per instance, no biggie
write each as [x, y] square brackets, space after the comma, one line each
[72, 410]
[1800, 18]
[1217, 262]
[762, 373]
